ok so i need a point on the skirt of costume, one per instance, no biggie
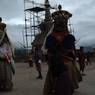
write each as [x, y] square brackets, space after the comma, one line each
[57, 86]
[5, 76]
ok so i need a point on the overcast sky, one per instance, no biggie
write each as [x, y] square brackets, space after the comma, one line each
[83, 19]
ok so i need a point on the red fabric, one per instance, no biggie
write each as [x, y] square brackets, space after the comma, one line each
[8, 60]
[59, 36]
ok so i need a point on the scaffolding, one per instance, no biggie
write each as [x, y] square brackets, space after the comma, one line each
[34, 14]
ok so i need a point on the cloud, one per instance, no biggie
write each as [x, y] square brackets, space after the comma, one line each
[15, 33]
[15, 21]
[11, 9]
[12, 12]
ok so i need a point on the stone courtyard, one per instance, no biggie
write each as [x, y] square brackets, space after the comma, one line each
[25, 82]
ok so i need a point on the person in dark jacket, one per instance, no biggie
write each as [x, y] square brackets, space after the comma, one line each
[60, 45]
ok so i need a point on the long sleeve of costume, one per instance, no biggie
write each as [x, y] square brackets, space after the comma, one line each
[69, 45]
[49, 42]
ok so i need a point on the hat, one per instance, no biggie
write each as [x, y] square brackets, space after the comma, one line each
[0, 19]
[59, 7]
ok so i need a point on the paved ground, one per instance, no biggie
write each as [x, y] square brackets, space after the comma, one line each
[87, 86]
[25, 82]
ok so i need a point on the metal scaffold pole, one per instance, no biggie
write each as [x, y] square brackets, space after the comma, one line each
[33, 18]
[31, 24]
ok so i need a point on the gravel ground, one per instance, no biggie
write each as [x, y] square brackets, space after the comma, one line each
[25, 82]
